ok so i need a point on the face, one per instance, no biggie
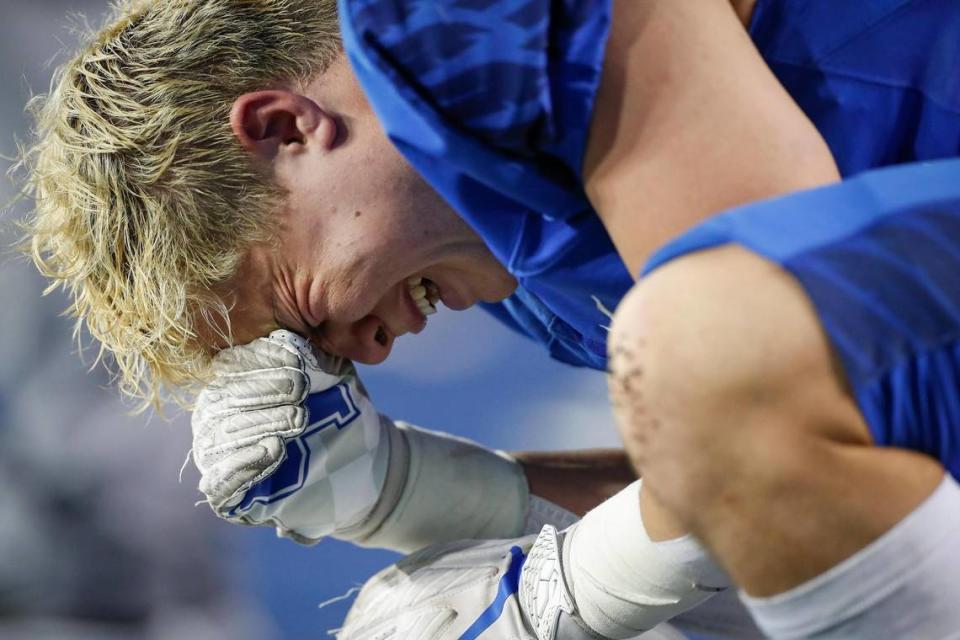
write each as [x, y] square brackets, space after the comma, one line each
[364, 248]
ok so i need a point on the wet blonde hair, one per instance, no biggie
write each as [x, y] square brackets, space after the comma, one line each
[145, 202]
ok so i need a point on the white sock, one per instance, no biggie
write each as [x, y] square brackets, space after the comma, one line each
[905, 584]
[623, 582]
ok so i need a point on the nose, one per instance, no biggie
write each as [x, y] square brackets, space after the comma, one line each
[366, 340]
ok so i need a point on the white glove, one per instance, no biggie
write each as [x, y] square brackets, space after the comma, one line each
[285, 435]
[469, 590]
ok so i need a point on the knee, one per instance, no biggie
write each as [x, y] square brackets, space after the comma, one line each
[669, 369]
[717, 361]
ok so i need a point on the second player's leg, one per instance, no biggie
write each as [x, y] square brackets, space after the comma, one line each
[735, 412]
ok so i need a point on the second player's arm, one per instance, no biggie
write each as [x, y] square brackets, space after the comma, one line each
[689, 120]
[578, 481]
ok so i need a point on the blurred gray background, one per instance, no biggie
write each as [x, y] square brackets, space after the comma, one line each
[98, 539]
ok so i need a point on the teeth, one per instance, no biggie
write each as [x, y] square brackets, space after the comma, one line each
[425, 307]
[424, 294]
[433, 293]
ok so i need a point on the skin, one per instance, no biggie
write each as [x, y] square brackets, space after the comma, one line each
[727, 394]
[578, 481]
[676, 141]
[358, 221]
[646, 125]
[732, 404]
[744, 10]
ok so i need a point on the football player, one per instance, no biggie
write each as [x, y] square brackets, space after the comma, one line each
[555, 147]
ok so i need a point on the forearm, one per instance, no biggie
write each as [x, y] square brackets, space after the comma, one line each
[576, 480]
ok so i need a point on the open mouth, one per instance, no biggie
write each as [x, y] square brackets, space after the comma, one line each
[424, 293]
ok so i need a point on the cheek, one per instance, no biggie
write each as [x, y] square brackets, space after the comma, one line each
[387, 209]
[369, 248]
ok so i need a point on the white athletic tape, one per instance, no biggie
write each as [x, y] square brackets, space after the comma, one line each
[624, 583]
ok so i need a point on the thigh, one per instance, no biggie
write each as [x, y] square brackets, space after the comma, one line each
[878, 260]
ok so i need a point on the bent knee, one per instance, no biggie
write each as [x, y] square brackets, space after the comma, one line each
[718, 343]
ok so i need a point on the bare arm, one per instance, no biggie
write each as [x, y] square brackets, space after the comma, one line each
[689, 121]
[577, 480]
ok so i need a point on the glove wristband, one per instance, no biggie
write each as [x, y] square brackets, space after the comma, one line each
[443, 488]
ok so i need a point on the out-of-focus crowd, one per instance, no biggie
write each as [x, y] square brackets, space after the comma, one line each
[97, 537]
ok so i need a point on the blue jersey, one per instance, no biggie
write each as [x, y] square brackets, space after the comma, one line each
[879, 258]
[490, 100]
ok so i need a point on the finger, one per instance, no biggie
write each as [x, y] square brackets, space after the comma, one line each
[220, 435]
[218, 443]
[315, 360]
[222, 482]
[257, 389]
[296, 343]
[262, 353]
[285, 421]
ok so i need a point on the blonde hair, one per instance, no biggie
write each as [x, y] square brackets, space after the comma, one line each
[144, 200]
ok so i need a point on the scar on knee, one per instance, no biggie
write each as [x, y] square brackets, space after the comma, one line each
[626, 382]
[625, 373]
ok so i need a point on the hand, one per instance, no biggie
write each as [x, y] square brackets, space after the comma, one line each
[466, 590]
[286, 435]
[445, 592]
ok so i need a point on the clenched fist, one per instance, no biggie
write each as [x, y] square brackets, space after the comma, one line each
[285, 435]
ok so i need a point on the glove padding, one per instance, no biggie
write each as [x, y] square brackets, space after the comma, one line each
[285, 435]
[279, 419]
[469, 590]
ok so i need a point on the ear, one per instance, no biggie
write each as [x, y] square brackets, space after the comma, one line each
[268, 123]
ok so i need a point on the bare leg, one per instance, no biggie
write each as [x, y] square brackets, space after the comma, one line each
[732, 407]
